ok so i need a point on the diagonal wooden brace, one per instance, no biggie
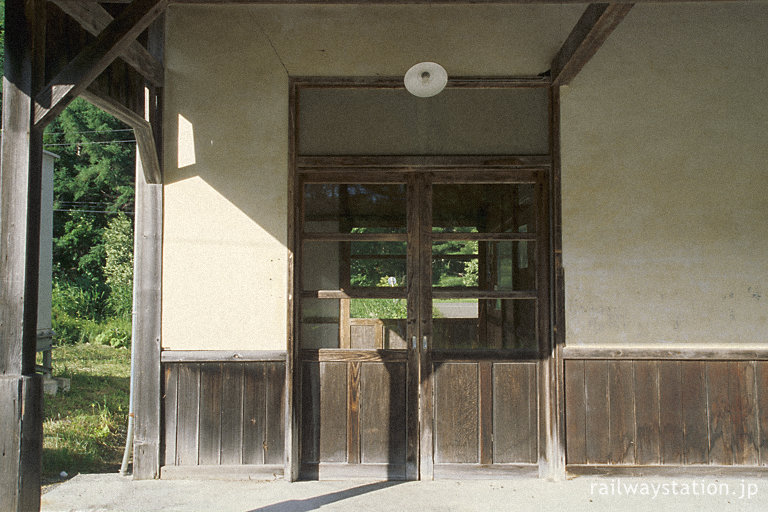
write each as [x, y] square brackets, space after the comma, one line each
[94, 59]
[94, 18]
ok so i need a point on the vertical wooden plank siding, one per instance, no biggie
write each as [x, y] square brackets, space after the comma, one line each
[254, 419]
[187, 416]
[486, 402]
[648, 442]
[232, 414]
[382, 413]
[761, 387]
[456, 412]
[622, 412]
[310, 412]
[695, 420]
[682, 412]
[170, 411]
[332, 438]
[274, 441]
[597, 402]
[515, 418]
[221, 413]
[575, 413]
[720, 427]
[209, 430]
[353, 412]
[742, 393]
[670, 413]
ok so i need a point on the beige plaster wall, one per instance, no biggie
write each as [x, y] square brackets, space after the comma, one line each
[665, 180]
[226, 155]
[226, 135]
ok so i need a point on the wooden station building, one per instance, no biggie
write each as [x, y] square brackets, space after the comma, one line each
[555, 265]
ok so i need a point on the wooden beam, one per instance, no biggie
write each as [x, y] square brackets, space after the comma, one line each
[94, 19]
[147, 290]
[405, 2]
[590, 32]
[111, 42]
[142, 129]
[402, 2]
[21, 153]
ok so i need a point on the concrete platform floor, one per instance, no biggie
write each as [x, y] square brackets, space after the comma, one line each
[116, 493]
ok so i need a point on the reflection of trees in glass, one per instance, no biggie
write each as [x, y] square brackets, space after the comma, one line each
[449, 271]
[378, 308]
[372, 263]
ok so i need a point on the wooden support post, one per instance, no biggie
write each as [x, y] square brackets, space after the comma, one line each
[556, 452]
[21, 155]
[590, 32]
[147, 299]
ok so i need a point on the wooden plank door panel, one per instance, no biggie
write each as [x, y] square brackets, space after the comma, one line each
[456, 413]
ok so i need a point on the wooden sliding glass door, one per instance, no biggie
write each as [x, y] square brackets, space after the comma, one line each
[483, 320]
[422, 320]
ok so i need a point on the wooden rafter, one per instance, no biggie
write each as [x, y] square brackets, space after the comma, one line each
[590, 32]
[78, 74]
[94, 19]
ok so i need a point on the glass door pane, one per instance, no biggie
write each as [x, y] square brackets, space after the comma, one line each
[483, 259]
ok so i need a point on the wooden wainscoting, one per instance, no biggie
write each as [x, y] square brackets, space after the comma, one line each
[646, 412]
[486, 419]
[223, 417]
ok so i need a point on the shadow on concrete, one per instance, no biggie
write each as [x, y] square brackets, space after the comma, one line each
[316, 502]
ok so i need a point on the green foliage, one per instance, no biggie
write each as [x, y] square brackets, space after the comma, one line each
[84, 428]
[374, 272]
[469, 278]
[116, 332]
[118, 270]
[378, 308]
[452, 272]
[93, 241]
[79, 299]
[93, 181]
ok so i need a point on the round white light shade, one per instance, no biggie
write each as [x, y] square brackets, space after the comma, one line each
[426, 79]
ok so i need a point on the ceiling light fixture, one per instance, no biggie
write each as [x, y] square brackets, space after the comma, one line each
[426, 79]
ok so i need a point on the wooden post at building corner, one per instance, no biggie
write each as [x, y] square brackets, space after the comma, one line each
[147, 281]
[21, 151]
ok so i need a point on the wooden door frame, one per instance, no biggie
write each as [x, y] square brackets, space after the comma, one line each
[550, 375]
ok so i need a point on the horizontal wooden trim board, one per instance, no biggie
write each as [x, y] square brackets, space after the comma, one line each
[334, 471]
[341, 355]
[482, 354]
[356, 293]
[469, 293]
[667, 471]
[483, 237]
[396, 82]
[484, 471]
[676, 351]
[355, 237]
[235, 356]
[214, 472]
[415, 163]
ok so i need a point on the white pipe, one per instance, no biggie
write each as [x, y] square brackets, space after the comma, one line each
[129, 434]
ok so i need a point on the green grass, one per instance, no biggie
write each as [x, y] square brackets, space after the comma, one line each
[84, 429]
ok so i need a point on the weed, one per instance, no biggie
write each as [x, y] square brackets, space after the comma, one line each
[84, 428]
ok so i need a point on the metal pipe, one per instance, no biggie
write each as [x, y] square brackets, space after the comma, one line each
[129, 433]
